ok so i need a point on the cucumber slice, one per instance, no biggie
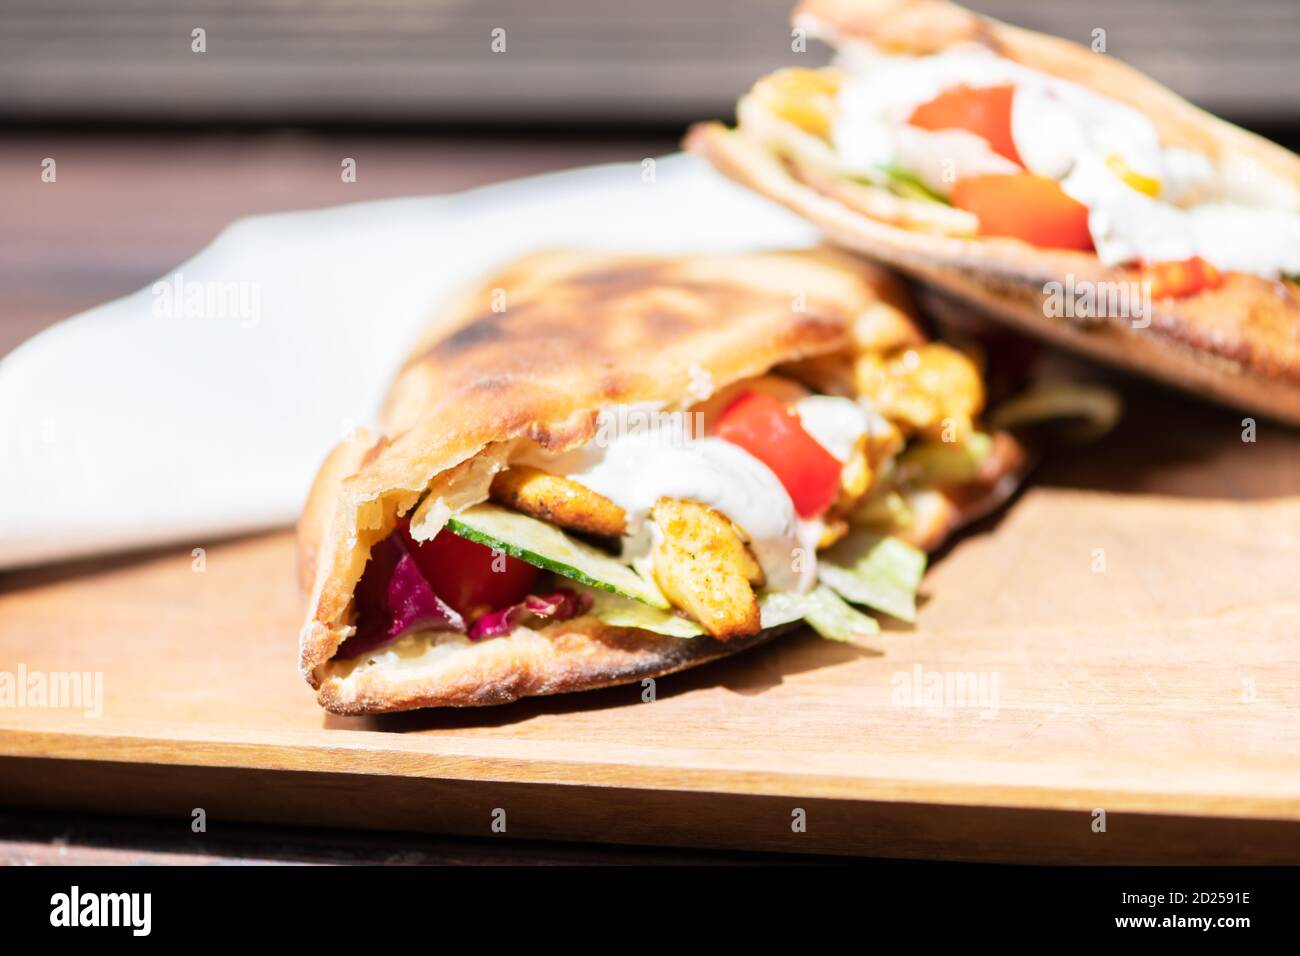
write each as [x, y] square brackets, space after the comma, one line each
[546, 546]
[879, 572]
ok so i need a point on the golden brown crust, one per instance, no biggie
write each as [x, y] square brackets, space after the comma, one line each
[1239, 344]
[345, 458]
[897, 26]
[563, 658]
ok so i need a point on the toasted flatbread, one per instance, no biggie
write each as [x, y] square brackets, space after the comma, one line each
[1239, 344]
[528, 358]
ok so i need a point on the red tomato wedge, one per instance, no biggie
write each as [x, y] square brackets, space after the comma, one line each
[1177, 279]
[982, 110]
[463, 573]
[1024, 206]
[773, 434]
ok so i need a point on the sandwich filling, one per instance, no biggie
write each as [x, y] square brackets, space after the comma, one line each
[767, 503]
[1001, 150]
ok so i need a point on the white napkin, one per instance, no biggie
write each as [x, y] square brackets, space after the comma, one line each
[202, 405]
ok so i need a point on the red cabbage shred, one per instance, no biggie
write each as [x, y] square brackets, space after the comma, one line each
[393, 598]
[534, 609]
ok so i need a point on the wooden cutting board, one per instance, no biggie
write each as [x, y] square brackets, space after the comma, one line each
[1134, 618]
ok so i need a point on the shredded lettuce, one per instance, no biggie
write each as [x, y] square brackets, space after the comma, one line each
[780, 607]
[618, 611]
[932, 464]
[874, 570]
[823, 610]
[905, 183]
[885, 510]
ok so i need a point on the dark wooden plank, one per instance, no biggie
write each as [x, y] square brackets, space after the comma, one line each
[233, 797]
[62, 839]
[422, 60]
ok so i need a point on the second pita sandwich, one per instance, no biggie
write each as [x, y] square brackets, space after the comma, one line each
[1058, 188]
[597, 469]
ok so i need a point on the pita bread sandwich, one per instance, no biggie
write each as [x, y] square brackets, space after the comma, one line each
[1061, 190]
[597, 469]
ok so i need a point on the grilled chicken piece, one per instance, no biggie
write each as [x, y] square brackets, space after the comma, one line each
[856, 476]
[871, 455]
[803, 97]
[932, 388]
[703, 567]
[883, 328]
[884, 441]
[836, 528]
[558, 500]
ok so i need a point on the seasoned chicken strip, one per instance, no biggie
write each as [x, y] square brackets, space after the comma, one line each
[702, 566]
[930, 388]
[557, 499]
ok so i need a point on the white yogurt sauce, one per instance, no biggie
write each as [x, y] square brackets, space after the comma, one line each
[1127, 225]
[1053, 121]
[635, 469]
[837, 424]
[1067, 132]
[875, 102]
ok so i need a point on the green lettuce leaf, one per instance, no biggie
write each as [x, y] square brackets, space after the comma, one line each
[932, 464]
[884, 510]
[618, 611]
[905, 183]
[823, 609]
[877, 571]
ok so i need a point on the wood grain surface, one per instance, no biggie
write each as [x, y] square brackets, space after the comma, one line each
[1158, 688]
